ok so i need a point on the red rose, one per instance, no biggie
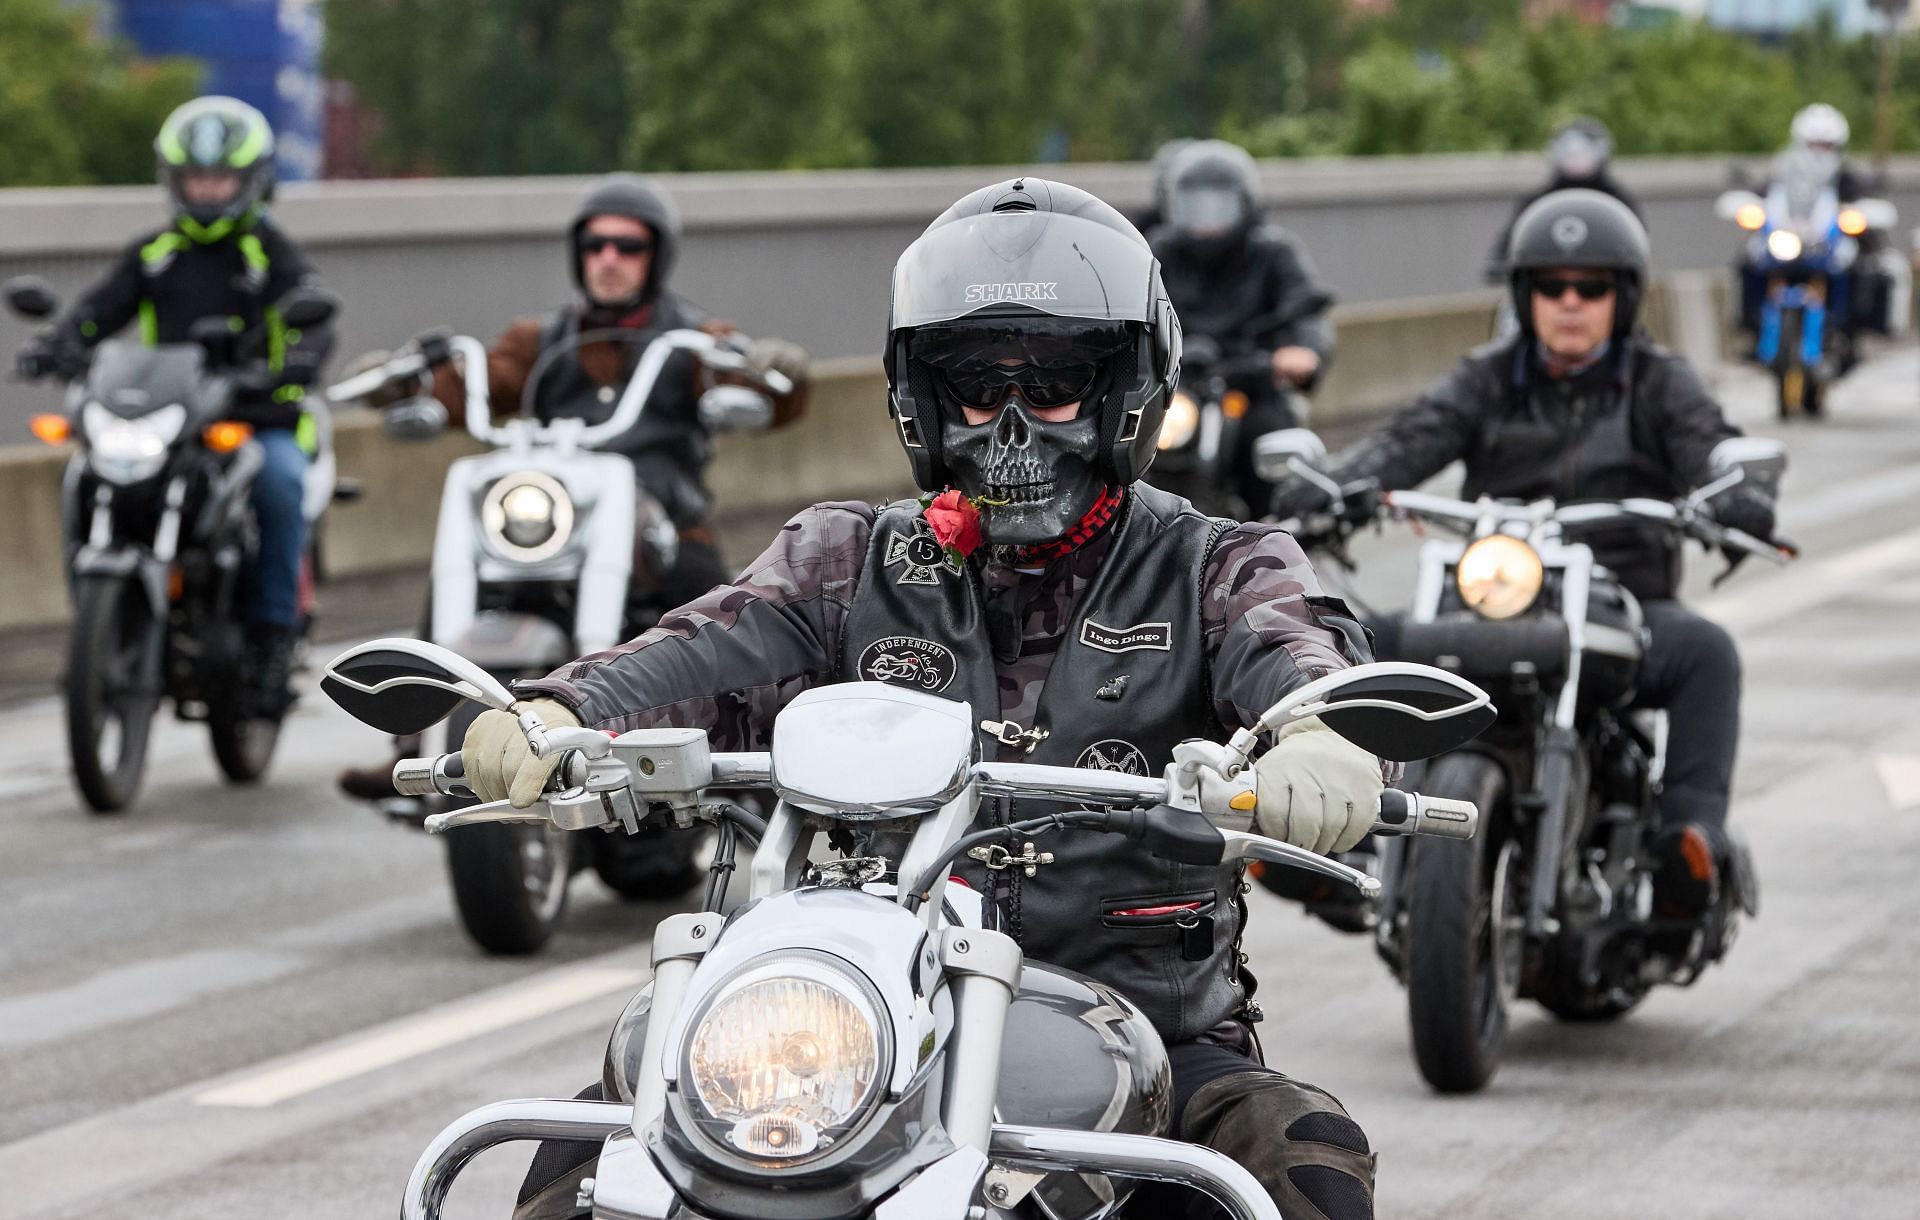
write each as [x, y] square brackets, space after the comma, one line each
[955, 522]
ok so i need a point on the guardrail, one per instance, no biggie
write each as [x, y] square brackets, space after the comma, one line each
[843, 448]
[809, 255]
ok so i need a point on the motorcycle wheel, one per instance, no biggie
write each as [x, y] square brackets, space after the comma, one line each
[1791, 378]
[652, 865]
[109, 720]
[1462, 953]
[509, 882]
[243, 745]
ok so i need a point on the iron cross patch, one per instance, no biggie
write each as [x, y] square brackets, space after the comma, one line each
[919, 557]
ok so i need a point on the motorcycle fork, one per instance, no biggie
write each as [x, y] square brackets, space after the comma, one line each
[1553, 797]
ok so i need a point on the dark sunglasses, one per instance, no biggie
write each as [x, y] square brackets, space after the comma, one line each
[981, 388]
[631, 247]
[1555, 287]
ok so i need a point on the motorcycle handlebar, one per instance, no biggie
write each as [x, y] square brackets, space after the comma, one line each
[1400, 813]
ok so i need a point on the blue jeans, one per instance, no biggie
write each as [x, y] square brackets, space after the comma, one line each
[275, 591]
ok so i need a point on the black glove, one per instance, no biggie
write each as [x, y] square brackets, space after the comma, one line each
[44, 356]
[1294, 496]
[1746, 510]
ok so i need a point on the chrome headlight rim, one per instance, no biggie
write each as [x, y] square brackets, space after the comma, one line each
[130, 450]
[1499, 577]
[1181, 421]
[703, 1127]
[495, 523]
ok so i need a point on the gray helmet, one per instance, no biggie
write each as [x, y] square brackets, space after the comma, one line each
[1210, 192]
[634, 197]
[1577, 227]
[1162, 167]
[1580, 149]
[215, 135]
[1048, 276]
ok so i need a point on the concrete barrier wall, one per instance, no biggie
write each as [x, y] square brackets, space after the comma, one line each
[844, 448]
[808, 255]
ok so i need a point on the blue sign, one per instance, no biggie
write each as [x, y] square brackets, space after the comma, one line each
[264, 52]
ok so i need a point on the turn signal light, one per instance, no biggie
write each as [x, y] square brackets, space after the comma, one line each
[1853, 222]
[1751, 217]
[1234, 404]
[226, 436]
[53, 429]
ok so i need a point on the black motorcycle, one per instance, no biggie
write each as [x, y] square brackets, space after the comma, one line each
[1206, 432]
[160, 542]
[1554, 901]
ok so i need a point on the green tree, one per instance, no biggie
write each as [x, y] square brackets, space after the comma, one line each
[75, 109]
[487, 86]
[741, 84]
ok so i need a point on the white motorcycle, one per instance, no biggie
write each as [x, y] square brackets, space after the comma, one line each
[534, 564]
[851, 1042]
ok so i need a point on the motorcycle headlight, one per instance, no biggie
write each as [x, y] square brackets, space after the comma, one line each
[786, 1060]
[527, 516]
[1183, 416]
[128, 450]
[1784, 245]
[1499, 576]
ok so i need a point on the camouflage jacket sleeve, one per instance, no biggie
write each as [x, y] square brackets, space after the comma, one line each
[1269, 625]
[728, 661]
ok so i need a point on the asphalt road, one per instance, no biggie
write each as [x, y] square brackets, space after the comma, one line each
[256, 1002]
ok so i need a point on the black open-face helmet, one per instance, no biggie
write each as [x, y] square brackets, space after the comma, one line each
[1577, 227]
[1047, 276]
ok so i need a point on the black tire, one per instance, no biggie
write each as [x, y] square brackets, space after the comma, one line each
[1457, 999]
[1791, 378]
[509, 882]
[243, 745]
[109, 722]
[653, 865]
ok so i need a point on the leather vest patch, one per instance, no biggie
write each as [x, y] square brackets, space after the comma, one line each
[905, 660]
[1157, 636]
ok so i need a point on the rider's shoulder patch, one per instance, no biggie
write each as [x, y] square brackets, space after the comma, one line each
[907, 660]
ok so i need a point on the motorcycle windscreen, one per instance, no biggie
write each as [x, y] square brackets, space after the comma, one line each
[132, 379]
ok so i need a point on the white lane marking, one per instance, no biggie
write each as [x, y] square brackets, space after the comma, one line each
[1812, 583]
[425, 1032]
[1900, 776]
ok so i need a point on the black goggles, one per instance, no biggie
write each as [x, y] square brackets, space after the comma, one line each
[1589, 288]
[630, 247]
[1050, 361]
[1041, 387]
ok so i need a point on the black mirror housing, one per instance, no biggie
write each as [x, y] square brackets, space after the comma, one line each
[30, 297]
[308, 307]
[403, 686]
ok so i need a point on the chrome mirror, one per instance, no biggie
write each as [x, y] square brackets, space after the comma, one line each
[735, 408]
[1279, 454]
[403, 686]
[1395, 709]
[416, 419]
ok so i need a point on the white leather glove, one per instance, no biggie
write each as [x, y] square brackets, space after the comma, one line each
[1316, 789]
[780, 356]
[498, 762]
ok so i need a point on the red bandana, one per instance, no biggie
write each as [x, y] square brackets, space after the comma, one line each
[1090, 525]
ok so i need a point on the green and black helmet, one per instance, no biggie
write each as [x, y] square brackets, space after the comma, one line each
[213, 137]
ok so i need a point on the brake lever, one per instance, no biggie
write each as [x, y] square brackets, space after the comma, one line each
[491, 812]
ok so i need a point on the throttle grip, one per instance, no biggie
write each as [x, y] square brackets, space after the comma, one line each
[1411, 813]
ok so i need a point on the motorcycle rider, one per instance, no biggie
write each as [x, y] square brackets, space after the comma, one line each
[622, 243]
[1087, 616]
[222, 256]
[1581, 405]
[1245, 284]
[1817, 144]
[1579, 154]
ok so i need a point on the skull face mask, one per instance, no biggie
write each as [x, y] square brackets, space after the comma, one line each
[1034, 480]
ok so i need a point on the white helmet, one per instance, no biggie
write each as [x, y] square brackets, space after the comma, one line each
[1820, 127]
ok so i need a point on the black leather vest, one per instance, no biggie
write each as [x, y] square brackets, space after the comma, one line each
[1164, 934]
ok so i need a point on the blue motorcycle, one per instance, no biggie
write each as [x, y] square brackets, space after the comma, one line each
[1802, 275]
